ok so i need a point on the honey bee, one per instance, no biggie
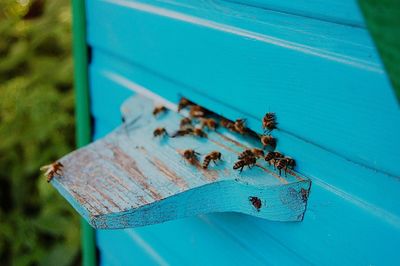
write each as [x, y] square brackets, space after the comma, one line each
[182, 132]
[197, 111]
[191, 156]
[251, 153]
[228, 124]
[267, 140]
[159, 109]
[304, 194]
[52, 170]
[160, 131]
[256, 202]
[271, 126]
[209, 123]
[269, 122]
[183, 103]
[185, 122]
[272, 156]
[269, 117]
[239, 126]
[212, 156]
[247, 161]
[285, 163]
[199, 133]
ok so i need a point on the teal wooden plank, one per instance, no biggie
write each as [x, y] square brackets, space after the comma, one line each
[347, 209]
[340, 172]
[342, 11]
[127, 249]
[129, 178]
[286, 62]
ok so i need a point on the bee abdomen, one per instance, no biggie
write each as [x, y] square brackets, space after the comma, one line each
[238, 164]
[206, 162]
[281, 163]
[245, 154]
[269, 156]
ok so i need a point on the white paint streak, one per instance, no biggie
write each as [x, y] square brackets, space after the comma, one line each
[366, 65]
[139, 89]
[143, 244]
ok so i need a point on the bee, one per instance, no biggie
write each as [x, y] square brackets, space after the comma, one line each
[182, 132]
[191, 156]
[256, 202]
[209, 123]
[268, 141]
[251, 153]
[199, 133]
[160, 131]
[271, 126]
[185, 122]
[239, 126]
[52, 170]
[197, 111]
[285, 163]
[272, 156]
[212, 156]
[247, 161]
[159, 109]
[268, 117]
[269, 122]
[304, 194]
[183, 103]
[228, 124]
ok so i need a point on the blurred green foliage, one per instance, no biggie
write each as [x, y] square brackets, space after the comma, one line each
[37, 227]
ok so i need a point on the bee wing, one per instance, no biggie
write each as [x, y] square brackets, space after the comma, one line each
[47, 173]
[175, 134]
[45, 167]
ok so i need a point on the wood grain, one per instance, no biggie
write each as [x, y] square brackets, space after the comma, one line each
[129, 178]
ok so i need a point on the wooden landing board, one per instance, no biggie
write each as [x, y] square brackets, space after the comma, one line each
[129, 178]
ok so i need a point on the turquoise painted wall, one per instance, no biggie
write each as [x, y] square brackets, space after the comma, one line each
[338, 117]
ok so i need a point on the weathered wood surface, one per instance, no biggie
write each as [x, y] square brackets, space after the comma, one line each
[129, 178]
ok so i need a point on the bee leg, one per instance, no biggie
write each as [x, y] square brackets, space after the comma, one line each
[241, 169]
[279, 171]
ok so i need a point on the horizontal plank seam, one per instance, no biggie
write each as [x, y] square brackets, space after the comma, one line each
[390, 218]
[249, 34]
[326, 19]
[119, 79]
